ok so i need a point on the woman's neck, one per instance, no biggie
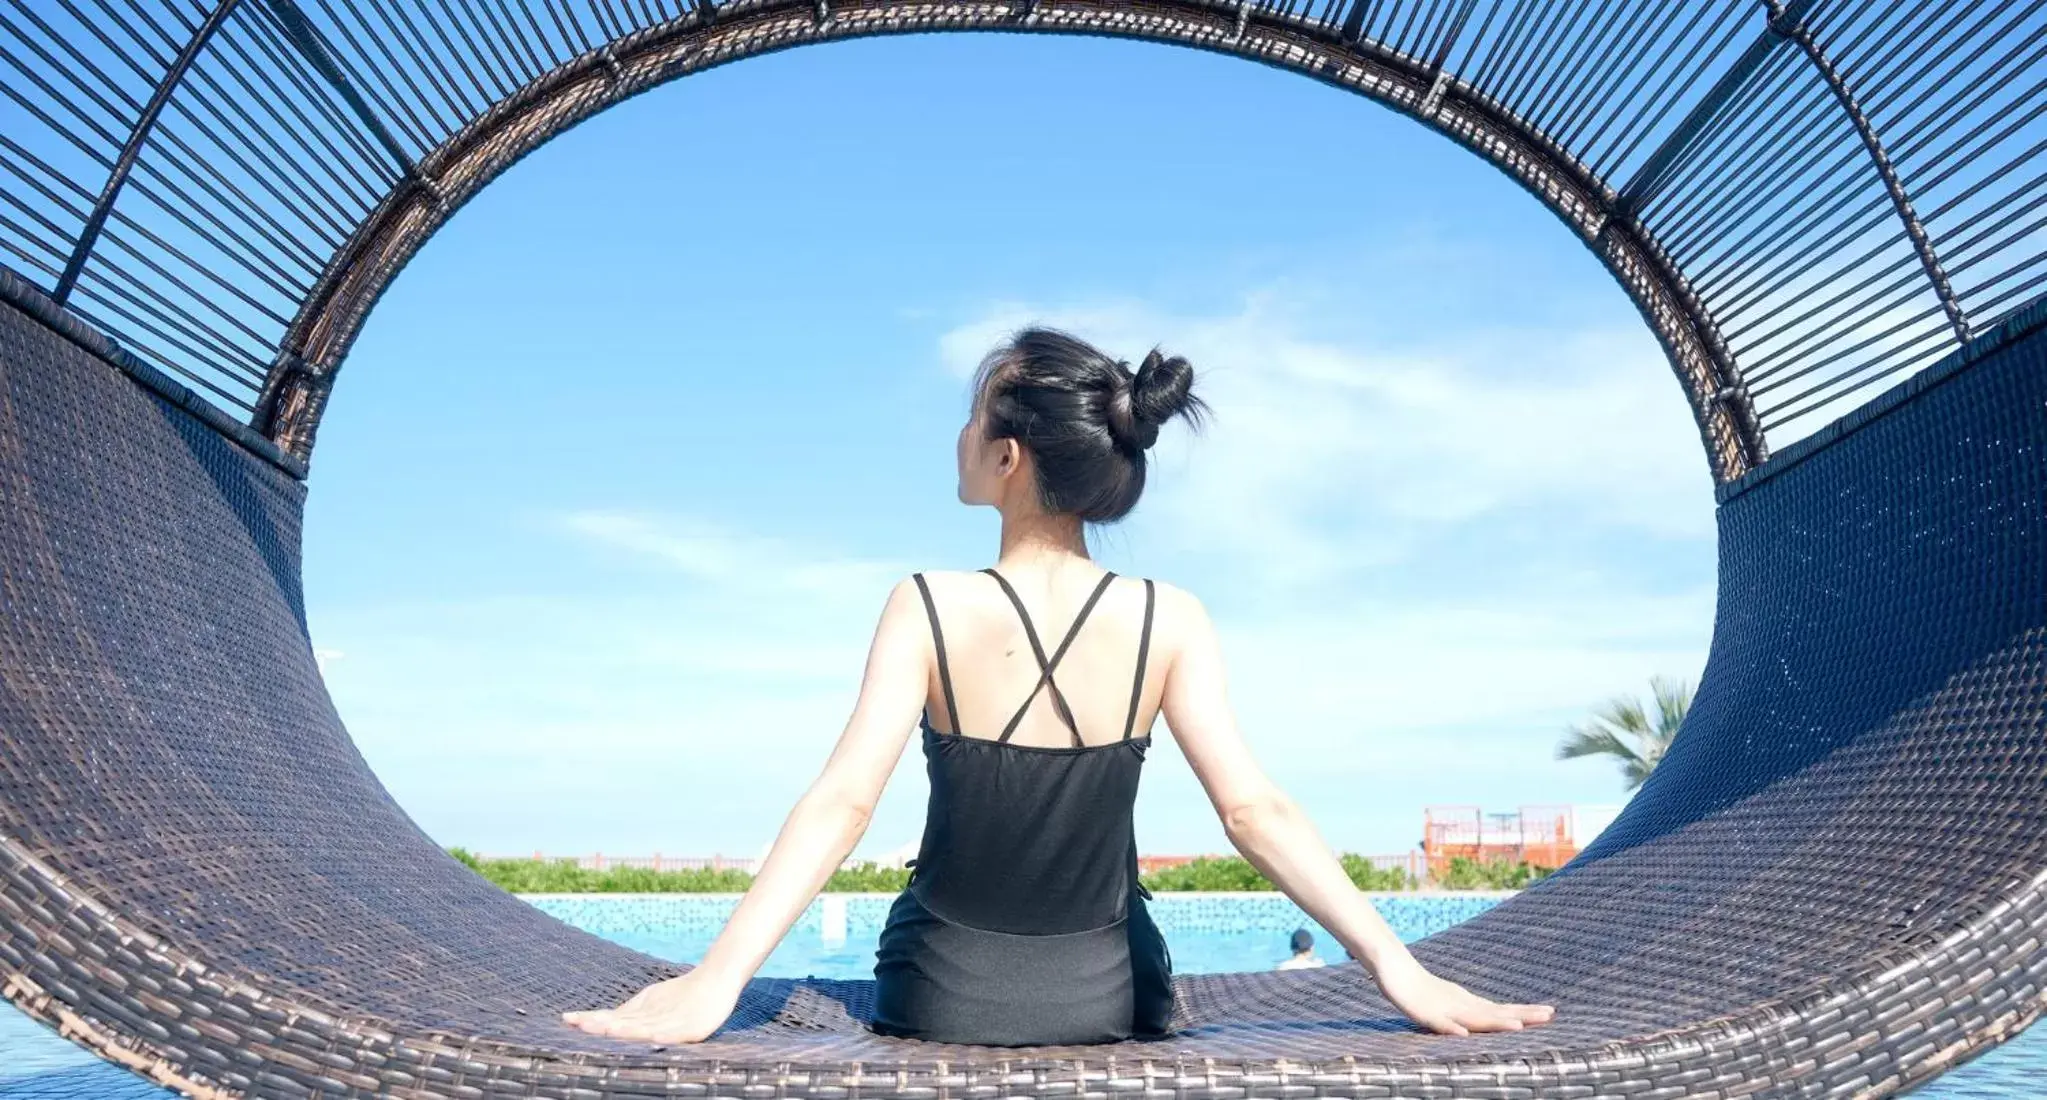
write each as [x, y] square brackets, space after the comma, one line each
[1041, 541]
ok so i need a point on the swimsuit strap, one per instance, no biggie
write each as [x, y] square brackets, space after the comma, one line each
[1045, 666]
[1143, 648]
[1059, 705]
[952, 709]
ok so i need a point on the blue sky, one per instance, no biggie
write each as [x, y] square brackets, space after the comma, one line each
[618, 476]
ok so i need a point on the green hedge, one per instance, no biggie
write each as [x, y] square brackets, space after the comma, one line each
[1226, 873]
[1493, 874]
[867, 878]
[1235, 873]
[526, 876]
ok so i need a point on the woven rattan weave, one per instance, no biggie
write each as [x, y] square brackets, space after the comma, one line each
[1806, 198]
[1835, 885]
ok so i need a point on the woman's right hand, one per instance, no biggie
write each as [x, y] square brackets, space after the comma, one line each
[1446, 1008]
[683, 1009]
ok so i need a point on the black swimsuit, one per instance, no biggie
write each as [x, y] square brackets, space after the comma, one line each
[1024, 923]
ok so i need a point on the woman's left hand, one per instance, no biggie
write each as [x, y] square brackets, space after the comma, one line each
[1446, 1008]
[684, 1009]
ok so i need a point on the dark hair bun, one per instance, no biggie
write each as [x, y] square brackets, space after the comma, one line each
[1086, 418]
[1162, 389]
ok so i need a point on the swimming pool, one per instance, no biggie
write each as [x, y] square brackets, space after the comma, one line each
[835, 938]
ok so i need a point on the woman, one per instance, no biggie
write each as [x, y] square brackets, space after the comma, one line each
[1024, 923]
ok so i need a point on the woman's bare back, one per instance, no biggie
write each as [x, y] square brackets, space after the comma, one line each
[994, 669]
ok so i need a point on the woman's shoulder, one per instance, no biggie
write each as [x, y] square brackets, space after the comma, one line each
[936, 588]
[940, 580]
[1174, 603]
[1175, 610]
[943, 576]
[1168, 592]
[961, 597]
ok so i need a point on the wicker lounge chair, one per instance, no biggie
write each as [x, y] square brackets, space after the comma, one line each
[1835, 885]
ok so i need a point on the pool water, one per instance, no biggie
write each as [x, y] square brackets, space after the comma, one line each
[836, 936]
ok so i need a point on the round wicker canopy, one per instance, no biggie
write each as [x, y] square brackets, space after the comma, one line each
[1803, 198]
[1835, 883]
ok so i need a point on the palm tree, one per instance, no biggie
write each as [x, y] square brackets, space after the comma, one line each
[1623, 730]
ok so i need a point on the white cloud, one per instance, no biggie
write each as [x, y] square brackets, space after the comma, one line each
[705, 551]
[1809, 330]
[683, 718]
[1372, 675]
[1371, 523]
[1328, 456]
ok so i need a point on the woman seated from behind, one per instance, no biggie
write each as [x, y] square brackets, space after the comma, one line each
[1024, 923]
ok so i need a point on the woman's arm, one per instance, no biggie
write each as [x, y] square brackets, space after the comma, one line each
[1279, 840]
[815, 839]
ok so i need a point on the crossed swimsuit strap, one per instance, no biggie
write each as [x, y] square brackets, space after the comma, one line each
[1046, 666]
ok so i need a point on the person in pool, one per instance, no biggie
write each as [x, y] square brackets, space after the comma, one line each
[1303, 957]
[1024, 922]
